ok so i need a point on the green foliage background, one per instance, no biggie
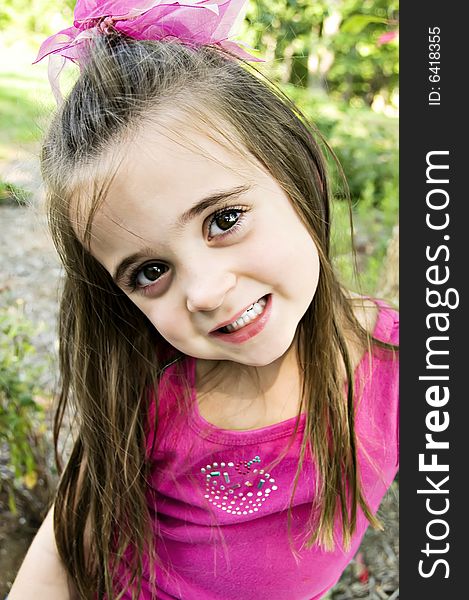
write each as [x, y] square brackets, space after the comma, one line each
[20, 413]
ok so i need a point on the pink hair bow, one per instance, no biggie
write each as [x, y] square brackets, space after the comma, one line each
[192, 22]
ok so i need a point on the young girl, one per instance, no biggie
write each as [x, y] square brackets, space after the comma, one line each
[235, 408]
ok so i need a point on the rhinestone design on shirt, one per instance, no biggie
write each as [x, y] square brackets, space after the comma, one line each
[236, 487]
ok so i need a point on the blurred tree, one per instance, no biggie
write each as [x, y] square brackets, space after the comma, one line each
[333, 45]
[35, 16]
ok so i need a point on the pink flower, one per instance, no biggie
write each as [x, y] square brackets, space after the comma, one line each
[387, 37]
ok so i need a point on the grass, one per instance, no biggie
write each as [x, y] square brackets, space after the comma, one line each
[26, 100]
[13, 194]
[23, 103]
[26, 103]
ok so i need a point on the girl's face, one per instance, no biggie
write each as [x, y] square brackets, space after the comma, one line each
[200, 240]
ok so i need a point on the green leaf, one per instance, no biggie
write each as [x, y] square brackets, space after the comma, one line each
[356, 23]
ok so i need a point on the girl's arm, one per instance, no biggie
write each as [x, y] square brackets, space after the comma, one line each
[42, 575]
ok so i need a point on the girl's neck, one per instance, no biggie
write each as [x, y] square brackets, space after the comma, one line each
[235, 396]
[232, 375]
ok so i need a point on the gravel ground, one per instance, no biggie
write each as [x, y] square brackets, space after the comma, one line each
[30, 274]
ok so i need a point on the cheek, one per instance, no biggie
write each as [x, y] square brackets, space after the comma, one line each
[164, 319]
[290, 258]
[305, 272]
[171, 326]
[314, 269]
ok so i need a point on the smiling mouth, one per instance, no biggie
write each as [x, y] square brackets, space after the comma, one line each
[251, 314]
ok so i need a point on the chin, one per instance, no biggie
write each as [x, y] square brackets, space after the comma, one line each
[268, 355]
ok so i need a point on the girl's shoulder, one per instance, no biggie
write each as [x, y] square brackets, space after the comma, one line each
[377, 317]
[387, 323]
[380, 320]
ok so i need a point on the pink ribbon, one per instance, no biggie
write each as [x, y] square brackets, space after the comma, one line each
[192, 22]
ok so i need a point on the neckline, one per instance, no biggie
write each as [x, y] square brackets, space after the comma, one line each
[213, 433]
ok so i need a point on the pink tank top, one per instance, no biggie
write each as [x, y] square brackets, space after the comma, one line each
[222, 507]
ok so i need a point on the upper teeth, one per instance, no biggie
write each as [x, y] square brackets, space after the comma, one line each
[250, 314]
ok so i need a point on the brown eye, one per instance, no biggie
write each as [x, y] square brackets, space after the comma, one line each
[224, 220]
[227, 219]
[150, 273]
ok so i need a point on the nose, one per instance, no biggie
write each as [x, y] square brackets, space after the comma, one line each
[206, 291]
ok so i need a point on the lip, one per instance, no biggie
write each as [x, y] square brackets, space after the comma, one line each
[235, 318]
[248, 331]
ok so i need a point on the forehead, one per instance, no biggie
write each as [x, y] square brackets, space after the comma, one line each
[177, 160]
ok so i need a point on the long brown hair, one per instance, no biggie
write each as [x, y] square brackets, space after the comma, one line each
[110, 355]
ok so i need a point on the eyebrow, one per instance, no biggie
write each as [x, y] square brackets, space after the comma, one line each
[212, 201]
